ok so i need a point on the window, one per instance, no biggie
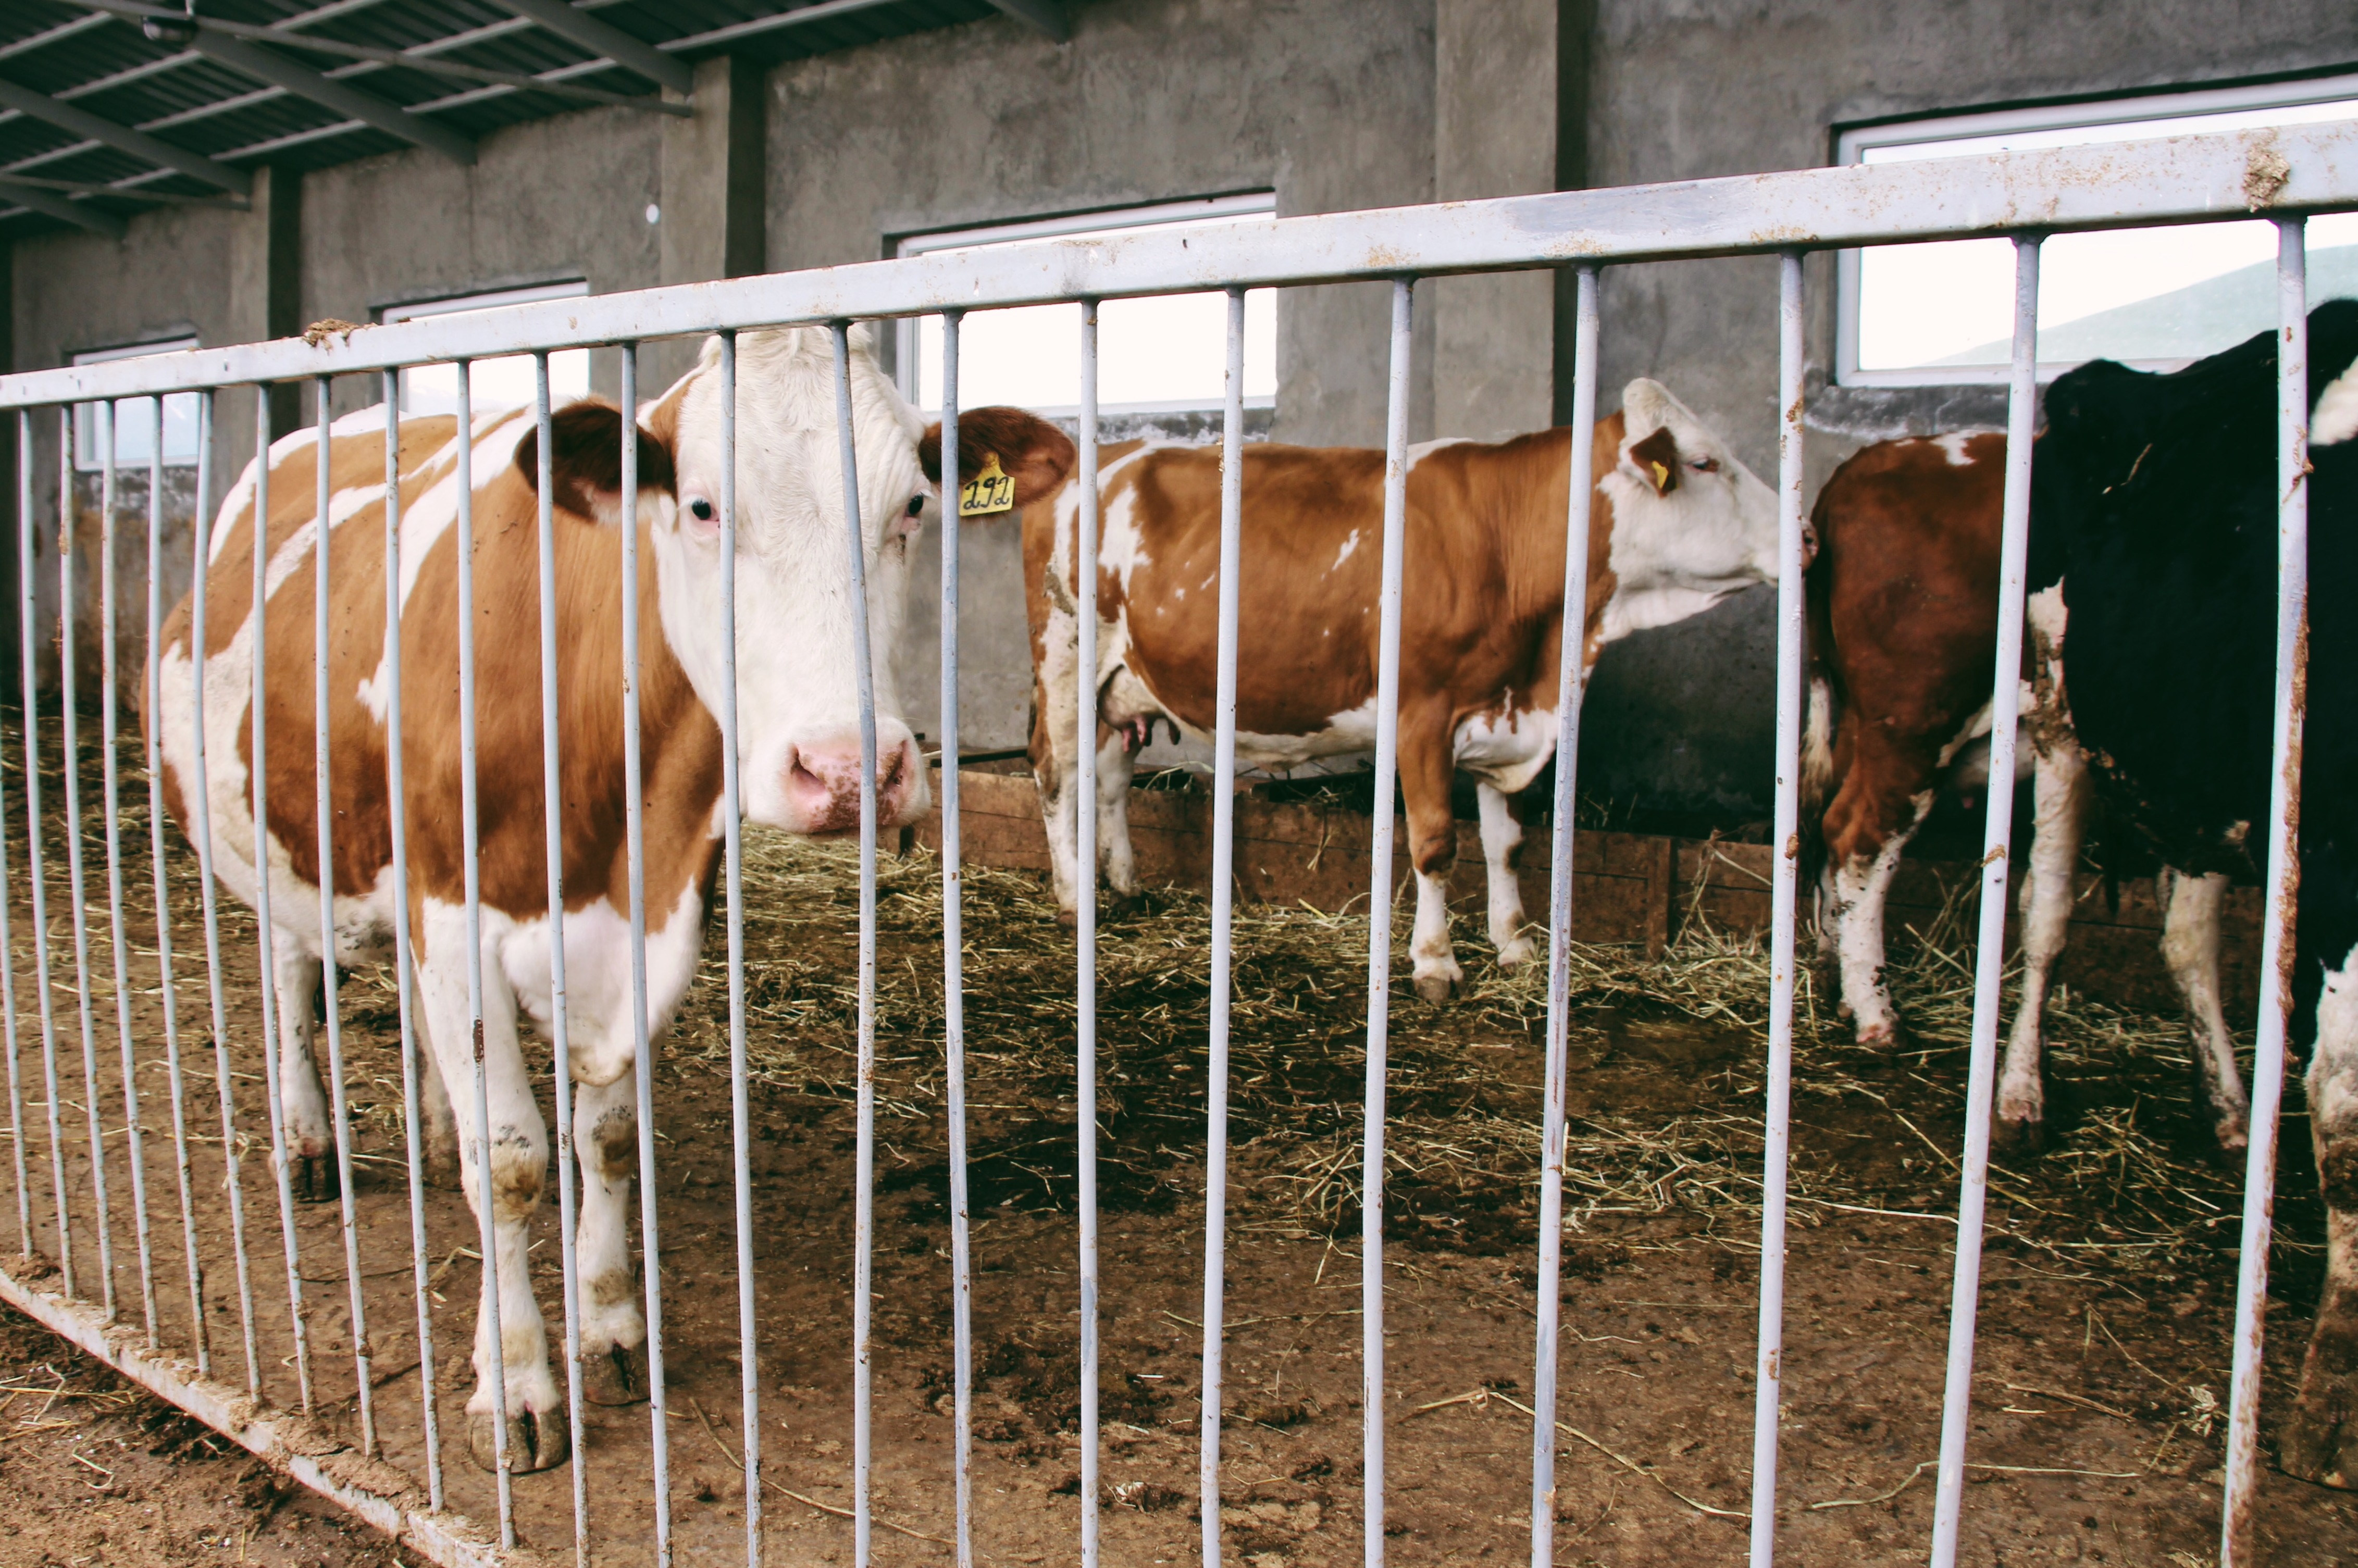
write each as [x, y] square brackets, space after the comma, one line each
[135, 419]
[1154, 355]
[1944, 313]
[504, 383]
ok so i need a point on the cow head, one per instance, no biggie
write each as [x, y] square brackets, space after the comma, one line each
[1690, 524]
[797, 702]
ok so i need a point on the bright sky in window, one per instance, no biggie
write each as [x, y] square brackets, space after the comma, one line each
[504, 383]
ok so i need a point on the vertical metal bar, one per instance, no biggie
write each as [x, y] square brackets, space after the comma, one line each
[469, 824]
[266, 992]
[33, 808]
[733, 837]
[405, 980]
[1989, 963]
[1776, 1129]
[1572, 675]
[1379, 922]
[111, 787]
[71, 704]
[1224, 847]
[8, 942]
[552, 780]
[152, 690]
[2276, 956]
[862, 674]
[634, 839]
[1084, 887]
[322, 725]
[201, 803]
[953, 967]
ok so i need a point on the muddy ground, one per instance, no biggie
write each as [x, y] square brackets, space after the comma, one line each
[2105, 1312]
[94, 1470]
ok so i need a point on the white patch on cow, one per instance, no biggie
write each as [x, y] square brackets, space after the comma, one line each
[2335, 418]
[1955, 445]
[2333, 1063]
[1423, 450]
[1860, 886]
[1507, 750]
[1349, 546]
[1676, 555]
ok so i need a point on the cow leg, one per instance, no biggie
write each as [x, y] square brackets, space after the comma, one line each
[1114, 857]
[509, 1176]
[2189, 944]
[2319, 1442]
[1055, 773]
[2062, 791]
[1426, 768]
[304, 1116]
[439, 1136]
[1862, 881]
[1501, 836]
[613, 1369]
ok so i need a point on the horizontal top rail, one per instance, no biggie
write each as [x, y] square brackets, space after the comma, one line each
[2170, 179]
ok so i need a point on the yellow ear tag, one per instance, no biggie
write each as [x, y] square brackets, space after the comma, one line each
[987, 493]
[1661, 474]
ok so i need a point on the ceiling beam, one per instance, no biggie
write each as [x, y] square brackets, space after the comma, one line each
[266, 65]
[34, 198]
[578, 27]
[778, 21]
[1046, 17]
[81, 121]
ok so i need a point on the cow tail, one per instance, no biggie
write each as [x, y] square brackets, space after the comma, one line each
[1817, 780]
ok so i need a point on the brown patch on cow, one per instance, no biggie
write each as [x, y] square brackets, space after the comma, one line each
[1902, 601]
[586, 463]
[1657, 457]
[1034, 453]
[1480, 632]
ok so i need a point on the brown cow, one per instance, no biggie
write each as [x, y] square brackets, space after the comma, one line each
[1676, 525]
[1903, 634]
[798, 749]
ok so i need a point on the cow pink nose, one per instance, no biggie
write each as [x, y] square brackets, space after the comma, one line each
[823, 785]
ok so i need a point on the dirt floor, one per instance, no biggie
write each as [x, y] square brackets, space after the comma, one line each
[2106, 1312]
[94, 1470]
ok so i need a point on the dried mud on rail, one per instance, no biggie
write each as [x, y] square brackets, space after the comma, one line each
[2105, 1312]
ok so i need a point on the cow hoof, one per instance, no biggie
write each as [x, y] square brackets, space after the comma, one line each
[2319, 1443]
[615, 1377]
[536, 1441]
[315, 1179]
[2018, 1137]
[1887, 1035]
[1435, 987]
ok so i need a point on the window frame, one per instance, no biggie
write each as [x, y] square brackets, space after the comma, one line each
[87, 458]
[483, 300]
[1853, 143]
[1235, 206]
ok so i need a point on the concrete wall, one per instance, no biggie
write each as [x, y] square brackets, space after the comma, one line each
[1332, 104]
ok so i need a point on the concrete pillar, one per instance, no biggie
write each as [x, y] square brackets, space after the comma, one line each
[1510, 119]
[265, 301]
[710, 202]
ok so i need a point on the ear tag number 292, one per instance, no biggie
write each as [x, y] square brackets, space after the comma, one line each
[987, 493]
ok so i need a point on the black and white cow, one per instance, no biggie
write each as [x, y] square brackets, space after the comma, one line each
[2154, 503]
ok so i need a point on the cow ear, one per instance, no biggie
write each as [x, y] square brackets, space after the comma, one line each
[1034, 453]
[585, 446]
[1656, 459]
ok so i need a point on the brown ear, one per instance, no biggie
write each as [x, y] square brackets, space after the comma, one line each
[1657, 457]
[1034, 453]
[585, 444]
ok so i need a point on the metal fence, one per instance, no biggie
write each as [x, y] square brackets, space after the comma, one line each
[2285, 174]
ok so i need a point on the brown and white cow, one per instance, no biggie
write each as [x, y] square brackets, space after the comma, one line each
[1676, 525]
[798, 747]
[1903, 634]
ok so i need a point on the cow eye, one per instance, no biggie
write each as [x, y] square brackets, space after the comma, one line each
[916, 504]
[700, 509]
[1705, 465]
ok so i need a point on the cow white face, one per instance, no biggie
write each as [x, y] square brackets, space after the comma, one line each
[797, 699]
[1690, 524]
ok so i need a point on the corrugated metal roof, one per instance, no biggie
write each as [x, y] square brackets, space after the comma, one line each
[209, 90]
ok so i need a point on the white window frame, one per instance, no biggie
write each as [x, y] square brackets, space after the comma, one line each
[88, 458]
[490, 299]
[2160, 114]
[1241, 206]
